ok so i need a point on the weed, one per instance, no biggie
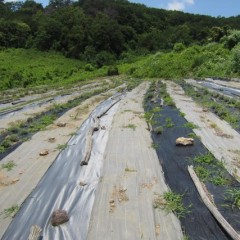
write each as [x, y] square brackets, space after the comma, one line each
[202, 173]
[213, 125]
[13, 138]
[192, 135]
[6, 143]
[62, 146]
[171, 202]
[233, 195]
[204, 158]
[169, 123]
[132, 126]
[158, 130]
[127, 169]
[190, 125]
[182, 114]
[9, 165]
[10, 212]
[2, 149]
[156, 110]
[220, 180]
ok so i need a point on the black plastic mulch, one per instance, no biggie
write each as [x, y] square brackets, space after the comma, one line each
[199, 224]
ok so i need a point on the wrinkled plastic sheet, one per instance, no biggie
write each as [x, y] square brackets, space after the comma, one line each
[60, 189]
[198, 224]
[222, 89]
[10, 113]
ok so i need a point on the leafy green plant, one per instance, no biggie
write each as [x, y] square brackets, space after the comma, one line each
[233, 195]
[9, 165]
[171, 202]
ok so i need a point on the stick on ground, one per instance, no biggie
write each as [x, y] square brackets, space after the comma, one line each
[211, 207]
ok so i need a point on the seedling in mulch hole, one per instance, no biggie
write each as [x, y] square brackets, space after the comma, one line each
[62, 146]
[158, 130]
[234, 197]
[10, 212]
[132, 126]
[171, 202]
[169, 123]
[9, 165]
[190, 125]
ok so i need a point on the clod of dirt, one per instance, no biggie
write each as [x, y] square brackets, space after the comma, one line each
[52, 139]
[15, 180]
[59, 217]
[103, 128]
[184, 141]
[61, 124]
[111, 201]
[44, 153]
[82, 184]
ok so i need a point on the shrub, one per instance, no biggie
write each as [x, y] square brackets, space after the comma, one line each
[88, 67]
[112, 70]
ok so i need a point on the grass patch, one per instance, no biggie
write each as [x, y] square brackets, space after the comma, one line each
[171, 202]
[169, 123]
[131, 126]
[9, 165]
[127, 169]
[233, 196]
[204, 158]
[190, 125]
[158, 130]
[10, 212]
[62, 146]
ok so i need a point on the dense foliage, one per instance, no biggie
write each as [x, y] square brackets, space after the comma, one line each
[100, 31]
[142, 41]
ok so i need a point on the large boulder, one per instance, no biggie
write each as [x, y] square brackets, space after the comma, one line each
[182, 141]
[59, 217]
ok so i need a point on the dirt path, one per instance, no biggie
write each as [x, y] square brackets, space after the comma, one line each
[17, 184]
[217, 135]
[131, 176]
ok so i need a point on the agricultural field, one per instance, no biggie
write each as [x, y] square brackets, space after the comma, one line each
[115, 142]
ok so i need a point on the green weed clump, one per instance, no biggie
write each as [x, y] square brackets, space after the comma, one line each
[10, 212]
[233, 196]
[9, 165]
[171, 202]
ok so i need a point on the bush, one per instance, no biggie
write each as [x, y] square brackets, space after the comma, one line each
[88, 67]
[236, 59]
[112, 70]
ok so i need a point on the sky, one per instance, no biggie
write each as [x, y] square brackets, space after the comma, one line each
[224, 8]
[216, 8]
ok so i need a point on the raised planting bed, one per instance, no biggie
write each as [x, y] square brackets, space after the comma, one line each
[224, 107]
[11, 138]
[168, 124]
